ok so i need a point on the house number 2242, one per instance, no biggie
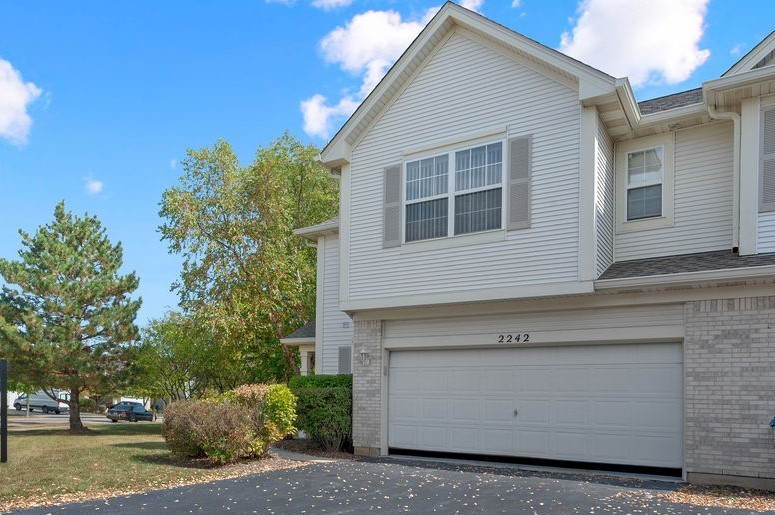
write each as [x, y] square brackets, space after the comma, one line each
[514, 338]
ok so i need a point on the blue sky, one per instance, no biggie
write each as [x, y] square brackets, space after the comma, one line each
[100, 100]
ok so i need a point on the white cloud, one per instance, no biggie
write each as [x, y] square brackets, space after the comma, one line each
[173, 163]
[516, 3]
[15, 96]
[737, 50]
[94, 186]
[328, 5]
[473, 5]
[648, 42]
[366, 46]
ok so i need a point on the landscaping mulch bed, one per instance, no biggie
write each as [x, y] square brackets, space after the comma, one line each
[308, 447]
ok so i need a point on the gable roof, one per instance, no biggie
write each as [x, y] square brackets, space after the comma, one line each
[313, 232]
[761, 55]
[592, 82]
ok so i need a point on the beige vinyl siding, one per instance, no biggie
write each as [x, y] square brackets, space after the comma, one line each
[765, 233]
[337, 326]
[467, 88]
[604, 199]
[703, 199]
[610, 325]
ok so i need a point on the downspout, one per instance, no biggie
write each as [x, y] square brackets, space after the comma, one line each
[730, 115]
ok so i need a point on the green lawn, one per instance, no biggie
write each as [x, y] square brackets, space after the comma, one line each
[45, 465]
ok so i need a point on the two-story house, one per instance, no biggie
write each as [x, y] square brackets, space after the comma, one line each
[538, 266]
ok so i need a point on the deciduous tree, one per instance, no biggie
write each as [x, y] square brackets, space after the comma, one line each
[245, 274]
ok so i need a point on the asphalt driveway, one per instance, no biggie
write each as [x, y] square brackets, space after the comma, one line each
[400, 486]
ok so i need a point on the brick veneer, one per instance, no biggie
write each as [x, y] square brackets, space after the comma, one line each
[729, 391]
[367, 387]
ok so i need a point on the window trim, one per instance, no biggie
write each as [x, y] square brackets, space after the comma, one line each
[667, 142]
[449, 151]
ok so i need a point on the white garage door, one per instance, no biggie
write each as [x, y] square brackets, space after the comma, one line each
[619, 404]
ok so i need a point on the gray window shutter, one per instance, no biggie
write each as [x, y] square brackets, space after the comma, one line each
[345, 360]
[391, 212]
[767, 174]
[519, 183]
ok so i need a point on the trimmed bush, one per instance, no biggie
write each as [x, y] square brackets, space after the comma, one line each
[241, 423]
[324, 407]
[322, 381]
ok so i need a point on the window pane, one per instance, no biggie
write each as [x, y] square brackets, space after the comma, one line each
[644, 202]
[480, 211]
[426, 220]
[426, 178]
[644, 168]
[478, 167]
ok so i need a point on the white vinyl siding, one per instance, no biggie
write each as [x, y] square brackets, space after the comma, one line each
[665, 322]
[702, 213]
[337, 326]
[604, 199]
[465, 89]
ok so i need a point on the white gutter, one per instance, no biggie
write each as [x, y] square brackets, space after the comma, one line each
[730, 115]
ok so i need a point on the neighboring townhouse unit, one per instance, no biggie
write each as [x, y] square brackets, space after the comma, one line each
[538, 266]
[325, 344]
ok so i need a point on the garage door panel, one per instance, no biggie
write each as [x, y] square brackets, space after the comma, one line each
[464, 410]
[533, 444]
[435, 409]
[613, 414]
[571, 412]
[534, 412]
[498, 410]
[571, 445]
[617, 404]
[497, 441]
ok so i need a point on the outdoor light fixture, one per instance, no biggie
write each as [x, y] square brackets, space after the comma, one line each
[364, 357]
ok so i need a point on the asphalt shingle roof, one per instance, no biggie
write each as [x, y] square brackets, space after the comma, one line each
[702, 262]
[305, 331]
[682, 99]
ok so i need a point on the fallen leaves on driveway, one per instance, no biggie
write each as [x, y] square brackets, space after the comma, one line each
[242, 468]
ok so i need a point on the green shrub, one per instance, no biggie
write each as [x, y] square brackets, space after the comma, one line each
[322, 381]
[325, 411]
[86, 404]
[240, 423]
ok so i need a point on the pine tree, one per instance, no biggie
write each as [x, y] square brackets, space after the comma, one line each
[66, 316]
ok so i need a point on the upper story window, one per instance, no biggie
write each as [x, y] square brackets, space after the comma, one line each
[462, 190]
[470, 199]
[644, 183]
[644, 178]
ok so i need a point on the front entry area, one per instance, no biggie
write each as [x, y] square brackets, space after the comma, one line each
[610, 404]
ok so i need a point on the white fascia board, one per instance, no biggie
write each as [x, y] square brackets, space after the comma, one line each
[295, 342]
[628, 102]
[492, 294]
[737, 81]
[672, 115]
[687, 278]
[755, 55]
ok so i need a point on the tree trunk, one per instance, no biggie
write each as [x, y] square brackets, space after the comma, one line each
[76, 426]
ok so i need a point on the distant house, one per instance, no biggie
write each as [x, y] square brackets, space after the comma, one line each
[539, 267]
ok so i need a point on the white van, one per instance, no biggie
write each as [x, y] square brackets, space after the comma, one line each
[39, 400]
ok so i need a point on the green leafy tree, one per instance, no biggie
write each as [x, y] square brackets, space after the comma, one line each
[245, 274]
[66, 316]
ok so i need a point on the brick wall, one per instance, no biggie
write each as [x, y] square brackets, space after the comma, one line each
[729, 388]
[367, 385]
